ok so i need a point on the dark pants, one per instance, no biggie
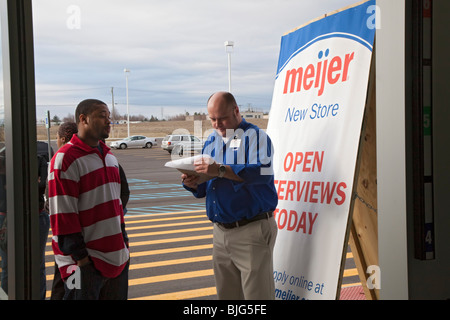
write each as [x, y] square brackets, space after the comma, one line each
[94, 286]
[58, 289]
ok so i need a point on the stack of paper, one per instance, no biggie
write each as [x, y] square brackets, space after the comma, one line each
[186, 165]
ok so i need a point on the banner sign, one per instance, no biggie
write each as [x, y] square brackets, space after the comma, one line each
[315, 126]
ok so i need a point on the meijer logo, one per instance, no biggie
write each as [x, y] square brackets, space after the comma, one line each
[326, 70]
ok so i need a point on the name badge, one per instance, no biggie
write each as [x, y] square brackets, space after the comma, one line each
[235, 143]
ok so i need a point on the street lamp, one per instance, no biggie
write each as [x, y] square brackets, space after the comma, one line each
[127, 71]
[229, 49]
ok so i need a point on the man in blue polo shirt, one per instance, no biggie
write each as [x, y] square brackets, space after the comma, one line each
[240, 200]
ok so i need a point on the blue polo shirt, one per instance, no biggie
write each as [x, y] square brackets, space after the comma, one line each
[249, 153]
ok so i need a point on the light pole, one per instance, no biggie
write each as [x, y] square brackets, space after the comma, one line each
[229, 49]
[112, 112]
[127, 71]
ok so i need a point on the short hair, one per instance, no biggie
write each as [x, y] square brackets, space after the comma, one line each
[228, 97]
[67, 130]
[86, 107]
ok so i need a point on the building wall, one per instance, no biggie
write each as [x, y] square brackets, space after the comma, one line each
[402, 274]
[391, 165]
[430, 279]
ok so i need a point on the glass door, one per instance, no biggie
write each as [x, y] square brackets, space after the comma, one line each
[3, 214]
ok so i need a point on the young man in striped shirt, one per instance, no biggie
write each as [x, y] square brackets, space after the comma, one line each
[86, 214]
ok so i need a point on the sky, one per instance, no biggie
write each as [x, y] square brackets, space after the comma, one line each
[174, 50]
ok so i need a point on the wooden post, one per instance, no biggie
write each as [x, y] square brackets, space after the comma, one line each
[364, 227]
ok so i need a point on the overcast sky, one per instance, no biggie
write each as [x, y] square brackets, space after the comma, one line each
[174, 50]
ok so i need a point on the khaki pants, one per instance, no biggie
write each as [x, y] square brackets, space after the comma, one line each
[243, 261]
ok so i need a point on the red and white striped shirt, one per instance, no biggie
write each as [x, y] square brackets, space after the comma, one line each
[84, 197]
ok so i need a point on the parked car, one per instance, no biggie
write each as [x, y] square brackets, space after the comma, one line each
[185, 148]
[171, 140]
[134, 142]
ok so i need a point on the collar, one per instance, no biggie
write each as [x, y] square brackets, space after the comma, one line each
[243, 125]
[76, 141]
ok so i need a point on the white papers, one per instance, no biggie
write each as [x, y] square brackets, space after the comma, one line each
[186, 165]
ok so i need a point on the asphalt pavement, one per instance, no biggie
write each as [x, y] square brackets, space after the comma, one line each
[170, 236]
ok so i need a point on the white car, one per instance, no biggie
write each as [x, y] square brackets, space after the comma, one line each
[186, 148]
[171, 140]
[134, 142]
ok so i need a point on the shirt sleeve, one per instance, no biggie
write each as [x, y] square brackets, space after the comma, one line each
[63, 194]
[125, 235]
[124, 188]
[200, 192]
[73, 244]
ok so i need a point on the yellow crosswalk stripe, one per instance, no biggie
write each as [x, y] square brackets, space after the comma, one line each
[170, 277]
[181, 295]
[351, 285]
[164, 219]
[169, 262]
[167, 225]
[156, 233]
[159, 241]
[350, 272]
[170, 250]
[147, 216]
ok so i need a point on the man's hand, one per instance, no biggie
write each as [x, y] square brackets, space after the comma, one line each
[190, 181]
[210, 168]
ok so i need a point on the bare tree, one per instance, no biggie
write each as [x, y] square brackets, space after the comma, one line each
[69, 118]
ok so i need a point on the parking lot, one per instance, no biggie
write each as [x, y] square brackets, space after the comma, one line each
[170, 236]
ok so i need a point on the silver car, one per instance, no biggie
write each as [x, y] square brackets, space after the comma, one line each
[171, 140]
[134, 142]
[187, 148]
